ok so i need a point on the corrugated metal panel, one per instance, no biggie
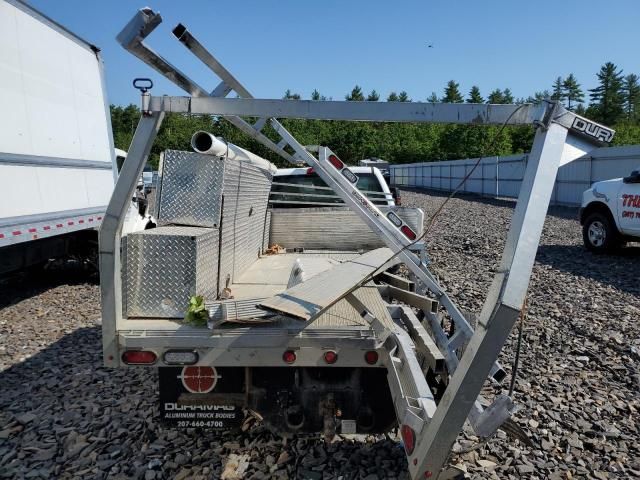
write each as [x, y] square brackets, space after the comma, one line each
[502, 176]
[337, 228]
[267, 231]
[246, 196]
[191, 186]
[253, 198]
[227, 230]
[165, 266]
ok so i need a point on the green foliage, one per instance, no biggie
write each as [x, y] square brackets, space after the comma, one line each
[496, 97]
[474, 95]
[572, 92]
[433, 98]
[291, 96]
[631, 93]
[607, 99]
[403, 97]
[558, 91]
[452, 93]
[507, 96]
[373, 96]
[615, 101]
[356, 95]
[196, 312]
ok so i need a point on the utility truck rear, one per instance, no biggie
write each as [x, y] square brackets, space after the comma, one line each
[291, 315]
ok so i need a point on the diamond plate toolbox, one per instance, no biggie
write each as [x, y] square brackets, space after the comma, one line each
[163, 267]
[190, 189]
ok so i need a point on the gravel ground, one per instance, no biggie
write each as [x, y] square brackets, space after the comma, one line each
[62, 415]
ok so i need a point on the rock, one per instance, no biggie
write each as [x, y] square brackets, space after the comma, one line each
[524, 469]
[26, 418]
[57, 399]
[488, 465]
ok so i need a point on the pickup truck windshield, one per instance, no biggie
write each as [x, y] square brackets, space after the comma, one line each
[309, 190]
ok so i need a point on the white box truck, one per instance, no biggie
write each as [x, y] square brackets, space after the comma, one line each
[57, 161]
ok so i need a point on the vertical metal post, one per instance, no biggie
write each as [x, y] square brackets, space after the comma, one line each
[109, 236]
[502, 305]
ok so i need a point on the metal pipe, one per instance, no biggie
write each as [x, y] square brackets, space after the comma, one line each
[208, 144]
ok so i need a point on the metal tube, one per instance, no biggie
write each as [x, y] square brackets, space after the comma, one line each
[206, 143]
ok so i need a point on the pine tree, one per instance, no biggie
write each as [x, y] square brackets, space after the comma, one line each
[373, 96]
[291, 96]
[607, 99]
[433, 98]
[507, 96]
[356, 95]
[393, 97]
[572, 92]
[557, 91]
[315, 95]
[538, 96]
[496, 97]
[474, 95]
[631, 92]
[452, 93]
[403, 97]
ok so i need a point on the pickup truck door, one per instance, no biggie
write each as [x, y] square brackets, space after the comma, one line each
[629, 208]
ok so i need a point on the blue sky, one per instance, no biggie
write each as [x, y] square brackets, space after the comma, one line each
[331, 45]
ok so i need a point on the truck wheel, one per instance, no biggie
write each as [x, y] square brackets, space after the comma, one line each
[600, 234]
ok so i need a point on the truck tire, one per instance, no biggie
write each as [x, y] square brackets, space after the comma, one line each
[599, 233]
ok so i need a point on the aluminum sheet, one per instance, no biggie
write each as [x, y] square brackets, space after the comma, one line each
[163, 267]
[190, 189]
[336, 228]
[311, 298]
[246, 195]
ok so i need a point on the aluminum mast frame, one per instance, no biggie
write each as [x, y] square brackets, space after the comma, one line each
[145, 21]
[552, 147]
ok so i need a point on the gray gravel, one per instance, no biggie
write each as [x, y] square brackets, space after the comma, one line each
[63, 415]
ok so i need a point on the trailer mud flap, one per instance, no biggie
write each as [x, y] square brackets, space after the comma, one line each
[204, 397]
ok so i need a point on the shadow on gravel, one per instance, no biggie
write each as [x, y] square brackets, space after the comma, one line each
[619, 270]
[64, 415]
[61, 411]
[568, 213]
[27, 284]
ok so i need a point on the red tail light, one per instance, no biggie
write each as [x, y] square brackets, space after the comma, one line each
[371, 357]
[336, 162]
[289, 356]
[330, 357]
[409, 438]
[310, 170]
[139, 357]
[410, 234]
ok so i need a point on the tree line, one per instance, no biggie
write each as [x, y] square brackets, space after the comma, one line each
[615, 101]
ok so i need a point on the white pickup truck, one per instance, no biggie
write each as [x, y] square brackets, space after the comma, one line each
[610, 213]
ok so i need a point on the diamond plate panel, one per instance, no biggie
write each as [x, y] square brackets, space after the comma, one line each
[165, 266]
[190, 189]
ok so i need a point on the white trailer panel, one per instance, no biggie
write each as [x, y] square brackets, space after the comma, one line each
[56, 147]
